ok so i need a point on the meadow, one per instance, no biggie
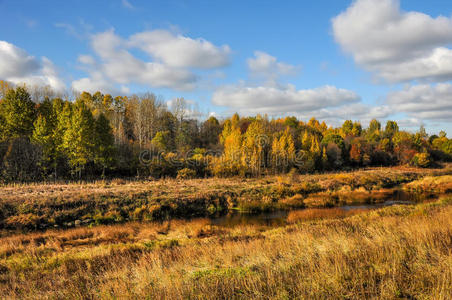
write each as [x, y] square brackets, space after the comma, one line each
[44, 205]
[393, 252]
[155, 239]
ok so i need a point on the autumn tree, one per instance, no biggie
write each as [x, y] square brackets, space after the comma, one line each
[255, 147]
[283, 151]
[4, 87]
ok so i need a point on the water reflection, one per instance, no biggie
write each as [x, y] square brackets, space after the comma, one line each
[277, 218]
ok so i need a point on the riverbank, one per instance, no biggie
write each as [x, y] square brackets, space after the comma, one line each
[402, 251]
[43, 206]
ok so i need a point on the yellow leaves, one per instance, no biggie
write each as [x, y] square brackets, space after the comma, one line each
[315, 146]
[4, 87]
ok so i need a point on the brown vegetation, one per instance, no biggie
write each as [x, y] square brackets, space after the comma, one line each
[394, 252]
[38, 206]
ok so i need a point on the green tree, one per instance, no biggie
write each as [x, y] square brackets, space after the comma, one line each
[374, 131]
[104, 149]
[357, 129]
[335, 139]
[292, 122]
[210, 131]
[43, 136]
[78, 139]
[422, 160]
[63, 112]
[347, 128]
[3, 128]
[19, 113]
[391, 129]
[374, 126]
[161, 140]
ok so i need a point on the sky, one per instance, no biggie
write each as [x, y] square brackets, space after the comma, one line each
[332, 60]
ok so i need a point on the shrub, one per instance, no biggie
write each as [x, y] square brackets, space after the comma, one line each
[421, 160]
[186, 173]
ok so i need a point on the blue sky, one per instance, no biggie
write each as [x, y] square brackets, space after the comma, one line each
[333, 60]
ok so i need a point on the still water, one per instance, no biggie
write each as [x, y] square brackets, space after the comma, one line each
[281, 217]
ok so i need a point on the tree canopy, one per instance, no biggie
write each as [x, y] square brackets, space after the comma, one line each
[44, 137]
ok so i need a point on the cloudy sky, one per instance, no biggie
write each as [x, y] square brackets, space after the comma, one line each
[334, 60]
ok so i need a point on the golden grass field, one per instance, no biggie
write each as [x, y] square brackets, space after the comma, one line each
[396, 252]
[47, 205]
[389, 253]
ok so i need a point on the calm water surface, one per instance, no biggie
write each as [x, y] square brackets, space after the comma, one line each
[275, 218]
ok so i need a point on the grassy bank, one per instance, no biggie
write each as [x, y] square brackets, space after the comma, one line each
[393, 252]
[36, 206]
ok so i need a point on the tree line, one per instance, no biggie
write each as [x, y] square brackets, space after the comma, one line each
[45, 137]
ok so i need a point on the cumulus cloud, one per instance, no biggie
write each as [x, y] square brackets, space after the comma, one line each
[328, 103]
[276, 99]
[396, 45]
[282, 100]
[358, 111]
[180, 51]
[267, 66]
[173, 56]
[96, 82]
[426, 102]
[18, 67]
[15, 61]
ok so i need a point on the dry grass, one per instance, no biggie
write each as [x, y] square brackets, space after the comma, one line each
[431, 184]
[35, 206]
[394, 252]
[310, 214]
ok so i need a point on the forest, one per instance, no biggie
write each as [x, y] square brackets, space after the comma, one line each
[82, 214]
[45, 137]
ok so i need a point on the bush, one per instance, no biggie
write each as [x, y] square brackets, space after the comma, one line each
[186, 173]
[421, 160]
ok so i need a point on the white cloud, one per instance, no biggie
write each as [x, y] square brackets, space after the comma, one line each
[267, 66]
[18, 67]
[426, 102]
[327, 103]
[282, 100]
[81, 31]
[69, 30]
[170, 69]
[275, 99]
[180, 51]
[359, 111]
[127, 4]
[396, 45]
[15, 61]
[96, 82]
